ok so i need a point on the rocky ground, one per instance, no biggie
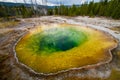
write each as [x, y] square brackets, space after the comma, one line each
[11, 69]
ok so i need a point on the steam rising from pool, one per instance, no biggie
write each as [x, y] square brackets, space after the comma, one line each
[56, 39]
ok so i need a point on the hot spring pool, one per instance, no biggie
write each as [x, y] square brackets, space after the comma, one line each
[54, 48]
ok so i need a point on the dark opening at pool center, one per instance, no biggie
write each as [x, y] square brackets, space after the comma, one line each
[56, 39]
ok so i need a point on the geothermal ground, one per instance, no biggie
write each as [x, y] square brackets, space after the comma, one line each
[12, 69]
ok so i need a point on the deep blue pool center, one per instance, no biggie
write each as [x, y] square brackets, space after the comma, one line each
[56, 39]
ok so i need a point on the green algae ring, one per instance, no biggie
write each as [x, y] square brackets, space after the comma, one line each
[54, 48]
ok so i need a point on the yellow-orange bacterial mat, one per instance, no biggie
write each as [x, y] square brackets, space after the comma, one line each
[50, 49]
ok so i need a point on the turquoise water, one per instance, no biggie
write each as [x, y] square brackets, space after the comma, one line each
[56, 39]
